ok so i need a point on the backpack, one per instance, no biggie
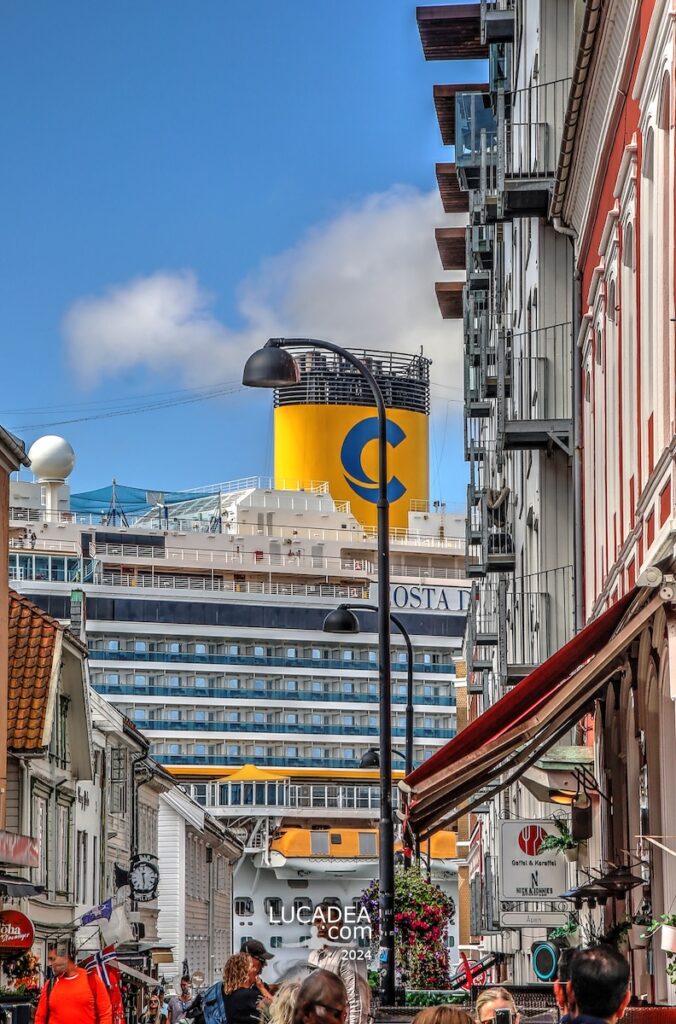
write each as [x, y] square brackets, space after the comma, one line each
[196, 1012]
[51, 984]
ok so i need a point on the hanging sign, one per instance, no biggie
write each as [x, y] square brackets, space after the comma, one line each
[525, 873]
[21, 851]
[16, 933]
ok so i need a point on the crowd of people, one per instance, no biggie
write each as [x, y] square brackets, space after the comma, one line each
[592, 988]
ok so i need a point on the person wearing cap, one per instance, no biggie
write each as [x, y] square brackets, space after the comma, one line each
[260, 958]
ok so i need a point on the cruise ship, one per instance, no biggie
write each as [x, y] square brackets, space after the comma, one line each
[204, 612]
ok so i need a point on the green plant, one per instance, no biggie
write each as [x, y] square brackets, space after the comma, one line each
[616, 935]
[569, 928]
[12, 993]
[421, 997]
[561, 842]
[422, 914]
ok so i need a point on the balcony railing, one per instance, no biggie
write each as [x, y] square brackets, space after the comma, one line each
[538, 410]
[287, 696]
[285, 795]
[490, 532]
[237, 760]
[531, 136]
[165, 725]
[264, 662]
[537, 619]
[497, 21]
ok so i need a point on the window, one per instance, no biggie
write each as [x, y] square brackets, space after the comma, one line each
[401, 689]
[259, 684]
[260, 717]
[259, 751]
[426, 659]
[373, 689]
[348, 754]
[140, 680]
[316, 753]
[139, 714]
[199, 750]
[233, 684]
[113, 679]
[373, 656]
[244, 906]
[302, 903]
[291, 685]
[373, 722]
[62, 847]
[259, 652]
[348, 720]
[173, 715]
[233, 650]
[81, 876]
[41, 833]
[140, 646]
[401, 657]
[292, 752]
[200, 716]
[291, 719]
[348, 687]
[174, 647]
[316, 654]
[58, 747]
[233, 716]
[348, 655]
[200, 648]
[199, 793]
[113, 645]
[316, 719]
[174, 749]
[319, 844]
[291, 652]
[200, 683]
[273, 907]
[317, 686]
[233, 750]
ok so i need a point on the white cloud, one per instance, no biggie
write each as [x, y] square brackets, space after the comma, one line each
[363, 279]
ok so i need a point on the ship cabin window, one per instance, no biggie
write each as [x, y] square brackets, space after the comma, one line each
[232, 684]
[348, 654]
[113, 679]
[259, 652]
[174, 748]
[428, 723]
[233, 716]
[348, 754]
[428, 691]
[140, 646]
[401, 689]
[316, 719]
[199, 750]
[316, 654]
[367, 844]
[259, 684]
[233, 750]
[200, 683]
[348, 687]
[200, 716]
[260, 717]
[174, 647]
[292, 719]
[336, 839]
[275, 942]
[332, 901]
[113, 645]
[319, 844]
[172, 681]
[401, 657]
[317, 686]
[199, 793]
[244, 907]
[292, 752]
[291, 685]
[373, 722]
[348, 720]
[200, 648]
[316, 753]
[273, 907]
[291, 652]
[139, 714]
[427, 658]
[233, 650]
[140, 680]
[173, 715]
[302, 903]
[373, 689]
[259, 751]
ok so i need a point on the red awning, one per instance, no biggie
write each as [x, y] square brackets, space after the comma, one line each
[523, 724]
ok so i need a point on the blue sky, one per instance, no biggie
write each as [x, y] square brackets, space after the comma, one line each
[180, 178]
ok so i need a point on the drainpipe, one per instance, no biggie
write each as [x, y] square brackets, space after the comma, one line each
[578, 539]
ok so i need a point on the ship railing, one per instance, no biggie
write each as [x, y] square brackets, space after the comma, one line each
[206, 583]
[277, 795]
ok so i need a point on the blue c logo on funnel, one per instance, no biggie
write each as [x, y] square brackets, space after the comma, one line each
[351, 455]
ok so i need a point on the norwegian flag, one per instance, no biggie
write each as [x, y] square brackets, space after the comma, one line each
[98, 961]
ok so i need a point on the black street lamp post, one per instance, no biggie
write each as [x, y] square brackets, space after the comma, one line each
[274, 367]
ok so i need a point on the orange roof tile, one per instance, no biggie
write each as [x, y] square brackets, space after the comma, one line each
[33, 637]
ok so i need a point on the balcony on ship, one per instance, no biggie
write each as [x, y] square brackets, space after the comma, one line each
[537, 412]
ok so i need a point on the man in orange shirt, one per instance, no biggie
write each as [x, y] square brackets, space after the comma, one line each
[73, 995]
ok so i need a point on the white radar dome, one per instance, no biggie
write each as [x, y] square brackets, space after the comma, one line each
[52, 458]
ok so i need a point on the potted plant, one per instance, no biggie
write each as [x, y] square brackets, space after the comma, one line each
[567, 930]
[637, 932]
[560, 841]
[667, 926]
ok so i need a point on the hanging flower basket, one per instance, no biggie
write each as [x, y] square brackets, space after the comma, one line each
[668, 938]
[571, 854]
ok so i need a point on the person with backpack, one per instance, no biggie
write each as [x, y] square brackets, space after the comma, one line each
[72, 994]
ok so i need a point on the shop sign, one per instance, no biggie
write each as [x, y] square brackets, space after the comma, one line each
[525, 873]
[16, 932]
[536, 919]
[21, 851]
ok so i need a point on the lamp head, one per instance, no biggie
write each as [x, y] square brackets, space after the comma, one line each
[341, 620]
[271, 367]
[371, 759]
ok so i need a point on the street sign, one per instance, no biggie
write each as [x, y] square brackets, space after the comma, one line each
[532, 919]
[525, 873]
